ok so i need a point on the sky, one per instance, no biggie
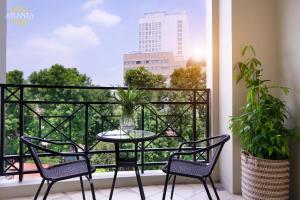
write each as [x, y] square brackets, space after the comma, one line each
[90, 35]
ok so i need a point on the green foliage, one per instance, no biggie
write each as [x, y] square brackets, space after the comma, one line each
[59, 75]
[129, 99]
[11, 113]
[190, 77]
[55, 75]
[261, 126]
[142, 78]
[15, 77]
[103, 158]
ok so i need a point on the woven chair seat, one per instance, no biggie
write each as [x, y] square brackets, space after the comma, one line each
[70, 169]
[188, 168]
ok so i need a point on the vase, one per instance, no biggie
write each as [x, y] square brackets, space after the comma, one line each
[127, 122]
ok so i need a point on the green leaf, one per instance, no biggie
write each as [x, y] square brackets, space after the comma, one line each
[261, 125]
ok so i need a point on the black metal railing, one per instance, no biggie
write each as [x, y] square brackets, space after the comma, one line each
[77, 114]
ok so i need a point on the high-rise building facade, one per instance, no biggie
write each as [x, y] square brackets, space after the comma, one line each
[163, 43]
[162, 32]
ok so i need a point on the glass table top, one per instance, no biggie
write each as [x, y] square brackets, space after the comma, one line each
[126, 135]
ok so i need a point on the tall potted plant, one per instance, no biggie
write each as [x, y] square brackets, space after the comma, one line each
[128, 100]
[263, 134]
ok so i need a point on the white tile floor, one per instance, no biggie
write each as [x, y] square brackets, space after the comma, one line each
[182, 192]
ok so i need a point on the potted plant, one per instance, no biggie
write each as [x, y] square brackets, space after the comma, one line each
[128, 99]
[263, 134]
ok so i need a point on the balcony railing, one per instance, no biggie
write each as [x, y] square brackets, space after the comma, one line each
[77, 114]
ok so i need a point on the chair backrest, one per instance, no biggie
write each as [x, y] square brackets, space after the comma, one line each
[216, 145]
[33, 151]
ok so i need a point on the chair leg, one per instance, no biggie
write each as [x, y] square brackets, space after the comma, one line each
[206, 189]
[173, 186]
[165, 187]
[213, 186]
[92, 186]
[39, 190]
[82, 188]
[48, 190]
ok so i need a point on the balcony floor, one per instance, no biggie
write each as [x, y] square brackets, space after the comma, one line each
[182, 192]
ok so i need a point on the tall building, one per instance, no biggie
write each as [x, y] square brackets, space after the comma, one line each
[162, 32]
[163, 43]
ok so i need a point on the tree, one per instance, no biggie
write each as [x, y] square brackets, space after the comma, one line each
[190, 77]
[59, 75]
[196, 61]
[140, 77]
[15, 77]
[11, 112]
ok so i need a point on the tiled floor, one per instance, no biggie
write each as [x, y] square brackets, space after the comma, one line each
[182, 192]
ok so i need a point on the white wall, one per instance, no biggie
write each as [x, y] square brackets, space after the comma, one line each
[2, 40]
[242, 22]
[213, 69]
[289, 63]
[225, 91]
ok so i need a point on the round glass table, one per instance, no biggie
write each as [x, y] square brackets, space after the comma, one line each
[126, 136]
[118, 137]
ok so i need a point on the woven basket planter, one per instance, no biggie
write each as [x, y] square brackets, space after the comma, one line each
[264, 179]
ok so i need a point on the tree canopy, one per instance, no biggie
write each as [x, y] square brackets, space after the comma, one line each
[141, 77]
[196, 61]
[59, 75]
[15, 77]
[190, 77]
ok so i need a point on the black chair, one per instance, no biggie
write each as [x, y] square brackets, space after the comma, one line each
[55, 173]
[202, 170]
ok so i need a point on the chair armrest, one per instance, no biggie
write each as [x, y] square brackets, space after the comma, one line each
[196, 142]
[64, 143]
[190, 142]
[55, 142]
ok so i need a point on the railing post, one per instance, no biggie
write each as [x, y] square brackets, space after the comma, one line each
[40, 126]
[86, 131]
[194, 125]
[21, 127]
[70, 128]
[156, 124]
[2, 130]
[102, 125]
[207, 119]
[180, 125]
[143, 143]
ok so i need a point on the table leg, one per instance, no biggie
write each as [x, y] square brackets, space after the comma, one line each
[137, 173]
[113, 184]
[136, 168]
[140, 184]
[117, 151]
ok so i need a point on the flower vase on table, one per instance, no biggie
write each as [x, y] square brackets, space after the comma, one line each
[127, 122]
